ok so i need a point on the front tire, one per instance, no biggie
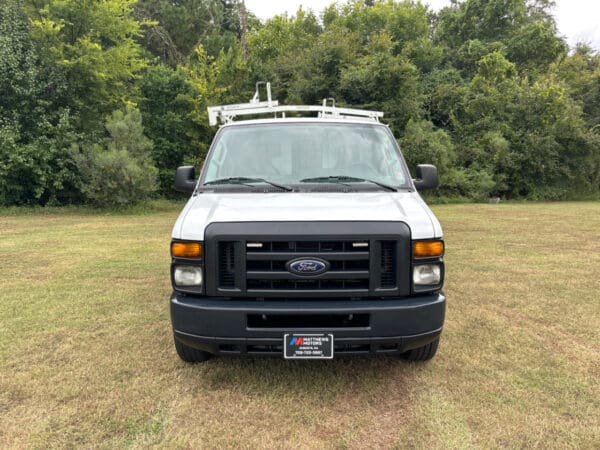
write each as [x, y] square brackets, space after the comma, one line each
[422, 353]
[190, 354]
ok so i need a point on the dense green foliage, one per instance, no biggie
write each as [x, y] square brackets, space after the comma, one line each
[100, 101]
[118, 172]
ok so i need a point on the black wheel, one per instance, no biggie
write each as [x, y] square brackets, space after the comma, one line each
[189, 354]
[422, 353]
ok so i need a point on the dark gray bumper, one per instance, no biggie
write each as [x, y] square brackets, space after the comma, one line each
[221, 326]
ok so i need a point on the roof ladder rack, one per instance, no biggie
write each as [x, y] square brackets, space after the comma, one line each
[226, 113]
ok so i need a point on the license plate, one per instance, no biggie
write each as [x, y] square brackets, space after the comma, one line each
[308, 346]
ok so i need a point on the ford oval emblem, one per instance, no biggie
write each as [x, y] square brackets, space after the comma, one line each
[307, 266]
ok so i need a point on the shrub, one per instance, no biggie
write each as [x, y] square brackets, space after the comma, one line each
[120, 172]
[115, 178]
[42, 171]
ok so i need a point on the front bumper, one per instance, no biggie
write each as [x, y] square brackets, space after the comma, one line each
[221, 326]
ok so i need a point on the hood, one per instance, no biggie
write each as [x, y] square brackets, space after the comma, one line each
[206, 208]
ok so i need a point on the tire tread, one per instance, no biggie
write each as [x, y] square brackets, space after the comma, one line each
[189, 354]
[423, 353]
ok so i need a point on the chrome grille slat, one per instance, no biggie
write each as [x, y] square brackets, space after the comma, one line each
[285, 256]
[348, 275]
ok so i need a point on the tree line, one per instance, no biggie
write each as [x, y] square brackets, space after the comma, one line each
[100, 101]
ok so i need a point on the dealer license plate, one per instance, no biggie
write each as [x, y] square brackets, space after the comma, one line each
[308, 346]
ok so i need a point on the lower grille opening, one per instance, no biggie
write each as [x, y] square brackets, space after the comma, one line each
[264, 348]
[229, 348]
[351, 348]
[387, 347]
[307, 285]
[308, 320]
[339, 348]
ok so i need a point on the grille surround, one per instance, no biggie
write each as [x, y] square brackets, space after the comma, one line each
[259, 270]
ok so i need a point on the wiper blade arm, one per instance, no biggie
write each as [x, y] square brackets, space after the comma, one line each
[336, 180]
[245, 181]
[341, 178]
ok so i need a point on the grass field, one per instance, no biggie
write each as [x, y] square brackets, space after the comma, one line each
[87, 360]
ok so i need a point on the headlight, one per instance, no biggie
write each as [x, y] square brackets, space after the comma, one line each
[188, 275]
[426, 275]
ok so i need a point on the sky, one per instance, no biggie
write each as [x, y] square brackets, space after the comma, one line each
[577, 20]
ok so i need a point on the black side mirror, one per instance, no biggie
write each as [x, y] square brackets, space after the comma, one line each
[427, 177]
[185, 179]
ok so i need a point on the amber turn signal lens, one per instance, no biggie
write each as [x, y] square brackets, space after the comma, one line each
[428, 249]
[186, 249]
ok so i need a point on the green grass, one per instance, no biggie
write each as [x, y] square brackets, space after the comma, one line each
[86, 354]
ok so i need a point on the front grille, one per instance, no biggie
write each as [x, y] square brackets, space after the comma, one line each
[254, 260]
[348, 266]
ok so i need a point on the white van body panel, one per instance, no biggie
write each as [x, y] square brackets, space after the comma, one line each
[206, 208]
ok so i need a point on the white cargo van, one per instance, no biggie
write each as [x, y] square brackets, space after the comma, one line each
[305, 237]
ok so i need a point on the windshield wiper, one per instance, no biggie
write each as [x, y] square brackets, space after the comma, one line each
[342, 179]
[245, 181]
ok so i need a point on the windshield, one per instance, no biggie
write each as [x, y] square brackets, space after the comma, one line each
[300, 153]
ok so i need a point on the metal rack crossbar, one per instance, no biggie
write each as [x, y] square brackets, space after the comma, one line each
[226, 113]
